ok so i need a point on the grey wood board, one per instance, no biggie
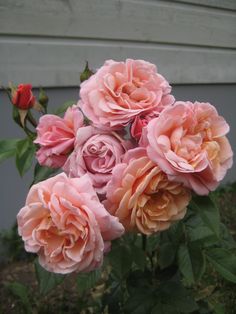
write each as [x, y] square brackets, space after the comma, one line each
[221, 4]
[49, 62]
[145, 21]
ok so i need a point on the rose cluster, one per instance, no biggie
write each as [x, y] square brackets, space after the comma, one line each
[131, 158]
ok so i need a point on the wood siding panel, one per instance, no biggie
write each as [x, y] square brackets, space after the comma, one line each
[47, 42]
[145, 21]
[58, 62]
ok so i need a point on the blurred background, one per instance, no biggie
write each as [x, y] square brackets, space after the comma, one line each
[46, 43]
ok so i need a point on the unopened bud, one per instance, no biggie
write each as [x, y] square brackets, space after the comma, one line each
[86, 73]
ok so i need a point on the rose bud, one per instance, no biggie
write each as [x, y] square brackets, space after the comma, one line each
[23, 97]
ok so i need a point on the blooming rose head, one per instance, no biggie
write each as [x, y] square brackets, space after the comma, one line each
[119, 91]
[23, 97]
[188, 142]
[141, 195]
[56, 137]
[96, 153]
[66, 225]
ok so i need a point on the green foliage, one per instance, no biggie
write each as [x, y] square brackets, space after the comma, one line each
[42, 173]
[87, 281]
[64, 107]
[8, 148]
[208, 211]
[47, 281]
[12, 247]
[191, 262]
[224, 261]
[86, 73]
[21, 292]
[120, 259]
[25, 151]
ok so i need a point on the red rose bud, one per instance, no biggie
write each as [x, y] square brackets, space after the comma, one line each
[23, 97]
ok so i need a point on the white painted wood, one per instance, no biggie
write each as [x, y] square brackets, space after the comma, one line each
[57, 62]
[222, 4]
[145, 21]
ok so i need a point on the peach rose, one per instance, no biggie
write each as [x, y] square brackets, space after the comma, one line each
[56, 137]
[66, 225]
[119, 91]
[96, 153]
[188, 142]
[142, 197]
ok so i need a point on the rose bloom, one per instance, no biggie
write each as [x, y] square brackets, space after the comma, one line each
[188, 142]
[66, 225]
[96, 153]
[142, 197]
[56, 136]
[119, 91]
[23, 97]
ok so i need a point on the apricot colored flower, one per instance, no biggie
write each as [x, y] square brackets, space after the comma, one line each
[66, 225]
[96, 153]
[120, 91]
[188, 142]
[142, 197]
[56, 137]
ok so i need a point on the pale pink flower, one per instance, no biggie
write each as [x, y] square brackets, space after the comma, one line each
[66, 225]
[188, 142]
[96, 153]
[120, 91]
[56, 137]
[141, 195]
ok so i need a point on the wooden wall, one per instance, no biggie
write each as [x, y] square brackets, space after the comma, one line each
[46, 42]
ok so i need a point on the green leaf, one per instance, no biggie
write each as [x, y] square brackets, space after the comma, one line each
[208, 211]
[24, 155]
[174, 296]
[41, 173]
[167, 255]
[113, 298]
[219, 309]
[121, 260]
[141, 302]
[227, 239]
[138, 256]
[224, 261]
[7, 148]
[191, 262]
[87, 281]
[20, 291]
[46, 280]
[64, 107]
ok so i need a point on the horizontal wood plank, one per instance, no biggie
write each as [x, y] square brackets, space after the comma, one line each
[129, 20]
[221, 4]
[50, 62]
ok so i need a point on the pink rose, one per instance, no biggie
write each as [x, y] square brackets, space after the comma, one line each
[141, 195]
[66, 225]
[56, 137]
[188, 142]
[120, 91]
[96, 153]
